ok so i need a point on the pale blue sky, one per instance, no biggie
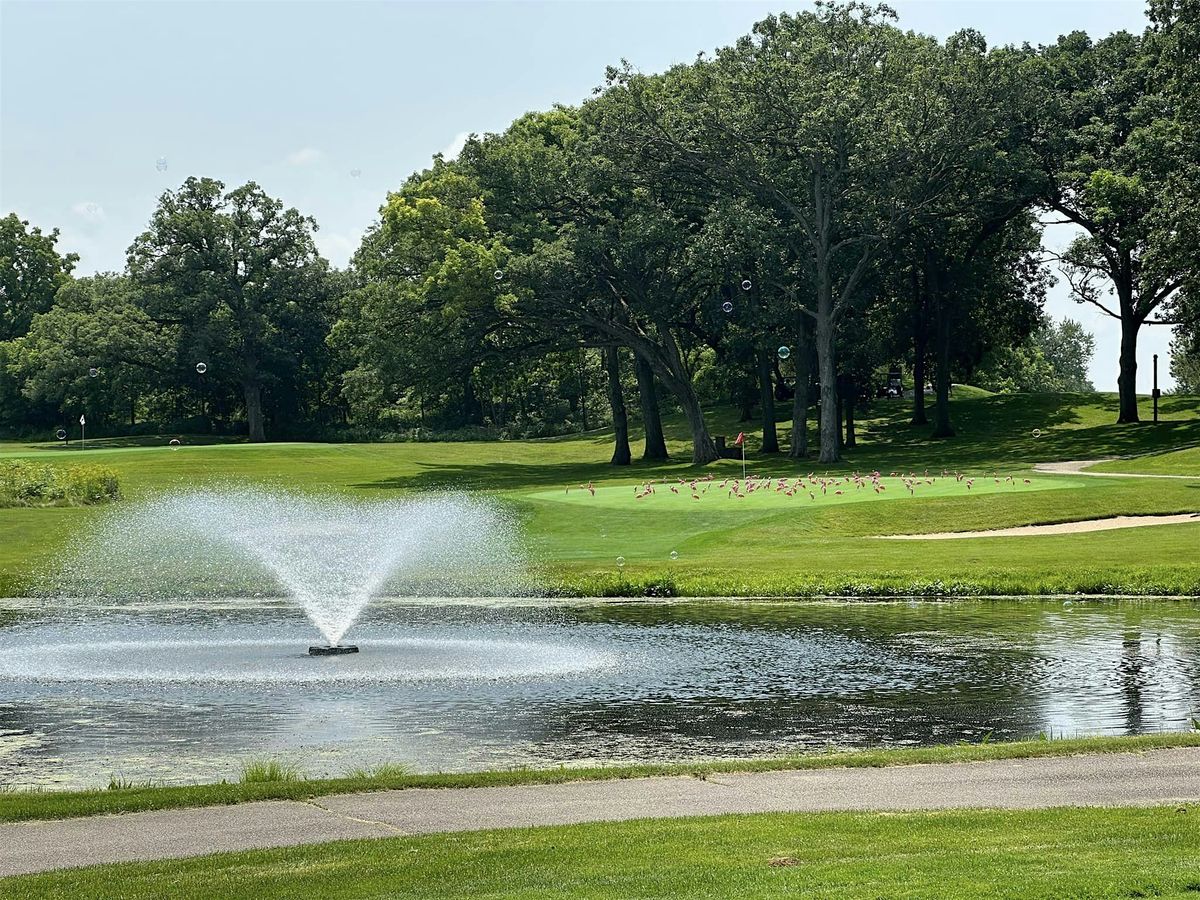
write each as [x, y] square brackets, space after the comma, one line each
[298, 95]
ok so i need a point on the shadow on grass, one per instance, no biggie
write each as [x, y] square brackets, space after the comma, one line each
[139, 440]
[513, 476]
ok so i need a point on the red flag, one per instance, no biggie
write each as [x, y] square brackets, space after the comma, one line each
[741, 439]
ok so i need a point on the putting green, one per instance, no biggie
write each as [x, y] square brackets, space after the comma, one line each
[794, 492]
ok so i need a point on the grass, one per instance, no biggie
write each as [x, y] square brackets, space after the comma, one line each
[767, 545]
[1175, 462]
[1055, 853]
[269, 771]
[19, 806]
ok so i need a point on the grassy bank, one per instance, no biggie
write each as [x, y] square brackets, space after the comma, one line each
[17, 806]
[769, 544]
[1080, 853]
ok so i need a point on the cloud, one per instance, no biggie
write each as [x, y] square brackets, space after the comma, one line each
[455, 147]
[305, 156]
[88, 212]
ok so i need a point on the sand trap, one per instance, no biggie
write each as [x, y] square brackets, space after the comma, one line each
[1060, 528]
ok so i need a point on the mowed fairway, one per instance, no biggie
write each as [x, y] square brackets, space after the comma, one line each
[760, 542]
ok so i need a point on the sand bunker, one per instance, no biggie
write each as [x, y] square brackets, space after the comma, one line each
[1061, 528]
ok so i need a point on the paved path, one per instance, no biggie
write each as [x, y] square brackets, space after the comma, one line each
[1126, 779]
[1080, 466]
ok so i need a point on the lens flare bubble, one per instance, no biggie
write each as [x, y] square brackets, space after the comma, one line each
[784, 352]
[746, 285]
[727, 306]
[498, 274]
[620, 562]
[201, 368]
[674, 554]
[161, 164]
[93, 372]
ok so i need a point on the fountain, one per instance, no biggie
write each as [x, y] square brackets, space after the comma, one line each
[329, 556]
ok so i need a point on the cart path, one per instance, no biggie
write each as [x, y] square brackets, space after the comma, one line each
[1113, 779]
[1080, 466]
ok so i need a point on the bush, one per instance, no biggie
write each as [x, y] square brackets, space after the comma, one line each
[25, 483]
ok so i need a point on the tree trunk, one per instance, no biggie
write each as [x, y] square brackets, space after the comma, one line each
[472, 408]
[656, 444]
[668, 364]
[583, 389]
[766, 391]
[621, 455]
[745, 401]
[920, 348]
[827, 371]
[849, 396]
[704, 450]
[254, 413]
[1127, 379]
[942, 427]
[841, 406]
[799, 448]
[671, 369]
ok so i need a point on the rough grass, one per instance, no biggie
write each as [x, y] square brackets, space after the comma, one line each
[269, 771]
[1056, 853]
[28, 483]
[18, 806]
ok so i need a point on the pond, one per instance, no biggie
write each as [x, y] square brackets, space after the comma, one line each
[185, 692]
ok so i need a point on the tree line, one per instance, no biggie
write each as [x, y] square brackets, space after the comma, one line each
[785, 221]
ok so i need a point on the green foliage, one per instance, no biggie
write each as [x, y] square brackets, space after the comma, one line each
[31, 272]
[24, 483]
[1052, 359]
[876, 188]
[235, 280]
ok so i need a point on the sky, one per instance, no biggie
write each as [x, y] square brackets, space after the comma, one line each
[329, 105]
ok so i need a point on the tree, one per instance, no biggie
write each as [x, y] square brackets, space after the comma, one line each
[1112, 174]
[1053, 358]
[95, 350]
[241, 277]
[31, 272]
[597, 252]
[1185, 345]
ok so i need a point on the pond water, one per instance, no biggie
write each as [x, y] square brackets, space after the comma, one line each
[180, 693]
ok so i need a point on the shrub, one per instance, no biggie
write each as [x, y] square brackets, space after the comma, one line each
[24, 483]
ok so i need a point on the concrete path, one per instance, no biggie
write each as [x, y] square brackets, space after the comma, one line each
[1125, 779]
[1080, 467]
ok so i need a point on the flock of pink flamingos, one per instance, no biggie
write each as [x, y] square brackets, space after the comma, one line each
[813, 485]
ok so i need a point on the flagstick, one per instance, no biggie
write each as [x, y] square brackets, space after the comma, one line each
[743, 460]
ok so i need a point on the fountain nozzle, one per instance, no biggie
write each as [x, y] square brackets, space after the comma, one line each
[332, 650]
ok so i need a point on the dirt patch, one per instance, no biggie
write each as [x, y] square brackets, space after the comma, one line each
[1086, 525]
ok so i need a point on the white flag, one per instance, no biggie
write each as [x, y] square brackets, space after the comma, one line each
[82, 420]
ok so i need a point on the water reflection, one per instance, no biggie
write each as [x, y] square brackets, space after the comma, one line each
[180, 694]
